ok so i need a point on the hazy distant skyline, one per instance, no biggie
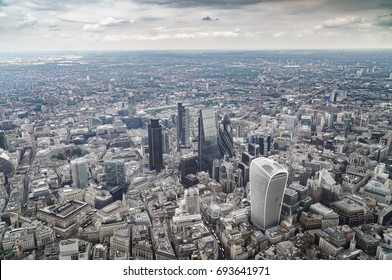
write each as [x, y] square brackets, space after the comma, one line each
[194, 24]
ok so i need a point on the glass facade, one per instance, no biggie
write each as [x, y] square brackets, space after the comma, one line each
[208, 139]
[182, 127]
[225, 137]
[79, 173]
[268, 180]
[155, 145]
[115, 173]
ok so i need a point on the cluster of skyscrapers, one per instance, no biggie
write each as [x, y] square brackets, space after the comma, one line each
[217, 165]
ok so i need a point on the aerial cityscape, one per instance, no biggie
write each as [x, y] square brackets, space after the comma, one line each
[194, 137]
[197, 155]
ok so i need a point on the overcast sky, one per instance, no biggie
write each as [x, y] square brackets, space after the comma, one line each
[194, 24]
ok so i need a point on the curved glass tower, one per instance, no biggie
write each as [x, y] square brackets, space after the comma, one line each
[225, 140]
[6, 165]
[208, 139]
[267, 183]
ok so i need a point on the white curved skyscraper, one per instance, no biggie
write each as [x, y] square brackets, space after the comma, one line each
[267, 183]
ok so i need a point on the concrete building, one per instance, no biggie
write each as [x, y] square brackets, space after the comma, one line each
[267, 183]
[21, 238]
[120, 242]
[63, 218]
[74, 249]
[384, 252]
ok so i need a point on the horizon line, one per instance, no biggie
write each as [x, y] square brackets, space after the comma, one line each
[191, 50]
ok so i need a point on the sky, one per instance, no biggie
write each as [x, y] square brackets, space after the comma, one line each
[53, 25]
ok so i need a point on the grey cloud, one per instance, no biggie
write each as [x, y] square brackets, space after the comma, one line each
[208, 18]
[300, 7]
[49, 5]
[149, 18]
[385, 20]
[356, 5]
[204, 3]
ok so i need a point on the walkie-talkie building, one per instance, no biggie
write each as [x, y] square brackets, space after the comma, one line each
[225, 139]
[208, 139]
[267, 183]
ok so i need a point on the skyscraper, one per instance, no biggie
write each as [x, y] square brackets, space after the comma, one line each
[131, 102]
[188, 165]
[3, 140]
[165, 142]
[208, 139]
[115, 173]
[225, 140]
[79, 173]
[267, 183]
[264, 140]
[182, 127]
[192, 201]
[155, 145]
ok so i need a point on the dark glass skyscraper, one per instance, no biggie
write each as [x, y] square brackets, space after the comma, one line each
[225, 139]
[263, 139]
[3, 140]
[182, 127]
[155, 145]
[208, 139]
[115, 173]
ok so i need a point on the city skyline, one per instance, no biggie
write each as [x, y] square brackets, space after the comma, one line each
[41, 25]
[299, 167]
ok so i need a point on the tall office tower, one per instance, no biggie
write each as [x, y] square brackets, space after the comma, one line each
[347, 125]
[188, 165]
[225, 140]
[254, 149]
[208, 140]
[192, 201]
[264, 140]
[239, 131]
[115, 173]
[131, 100]
[79, 173]
[267, 184]
[165, 142]
[3, 140]
[244, 173]
[182, 127]
[155, 145]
